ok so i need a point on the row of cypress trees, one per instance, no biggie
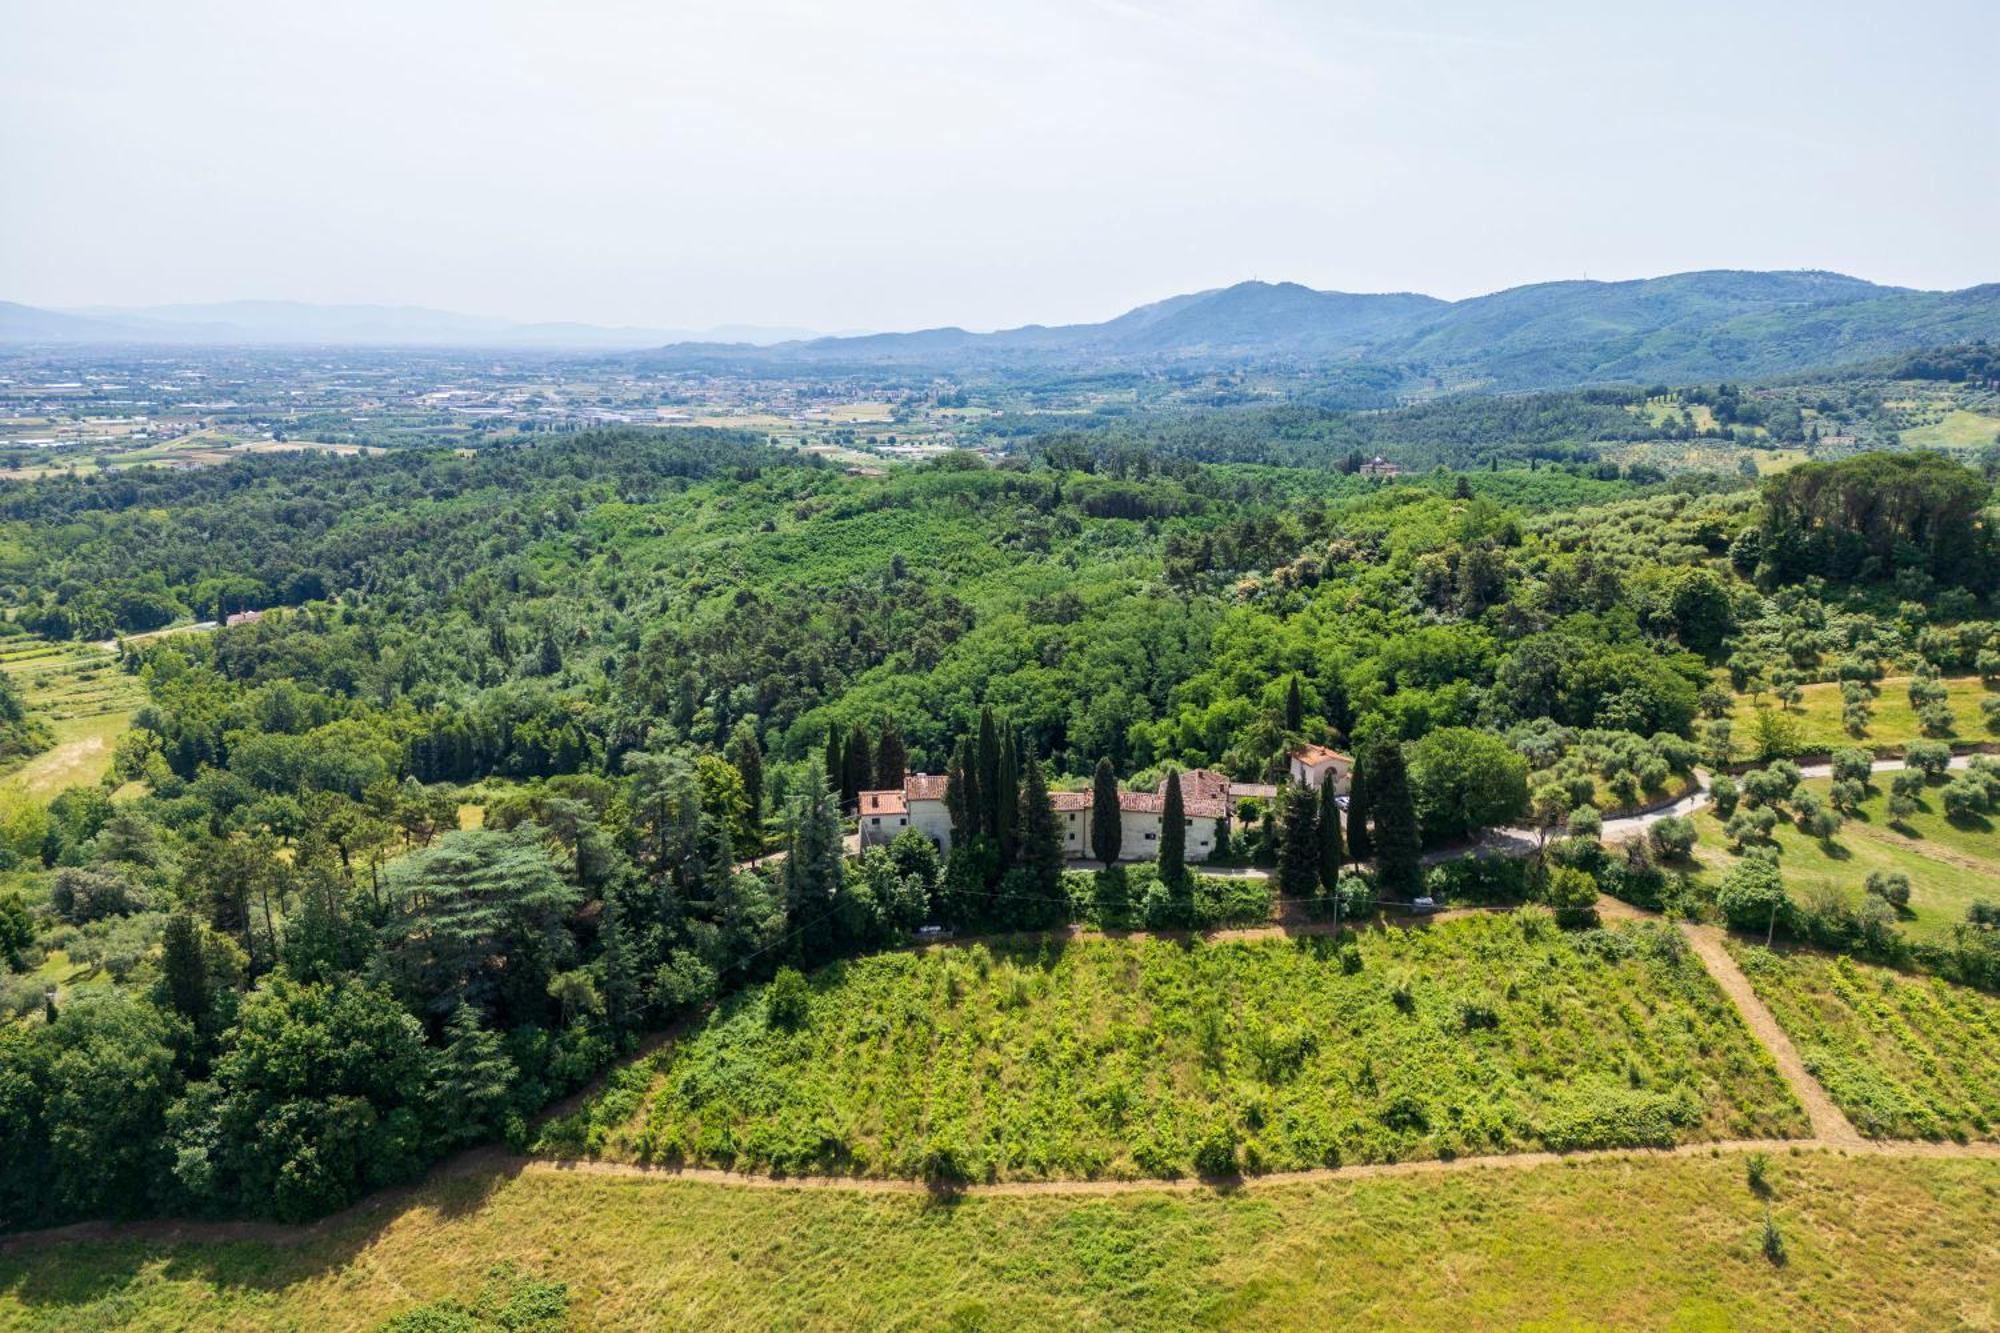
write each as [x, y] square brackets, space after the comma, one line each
[854, 765]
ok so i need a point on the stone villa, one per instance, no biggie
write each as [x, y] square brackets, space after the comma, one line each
[1207, 805]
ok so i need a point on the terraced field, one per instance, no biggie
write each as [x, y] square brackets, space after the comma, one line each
[87, 701]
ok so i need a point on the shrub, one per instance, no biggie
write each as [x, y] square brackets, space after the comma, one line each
[1751, 892]
[1216, 1154]
[1891, 886]
[1586, 822]
[1846, 796]
[1853, 765]
[1724, 792]
[1964, 798]
[1756, 1169]
[1672, 837]
[1774, 1241]
[1572, 895]
[1931, 758]
[788, 1000]
[1990, 710]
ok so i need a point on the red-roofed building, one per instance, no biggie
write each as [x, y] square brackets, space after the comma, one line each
[1314, 764]
[920, 805]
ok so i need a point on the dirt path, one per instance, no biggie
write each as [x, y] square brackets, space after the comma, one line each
[1829, 1125]
[492, 1162]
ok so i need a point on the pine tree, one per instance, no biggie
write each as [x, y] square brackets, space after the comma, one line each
[473, 1078]
[1107, 831]
[892, 760]
[1009, 807]
[1398, 854]
[184, 967]
[1041, 850]
[1298, 843]
[1295, 707]
[621, 967]
[1332, 848]
[1173, 833]
[747, 753]
[857, 765]
[1359, 845]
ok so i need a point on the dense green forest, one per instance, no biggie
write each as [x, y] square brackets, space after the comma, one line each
[640, 660]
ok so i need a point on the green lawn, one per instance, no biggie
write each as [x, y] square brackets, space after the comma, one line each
[1956, 429]
[1869, 1242]
[1940, 889]
[1123, 1057]
[1904, 1056]
[1894, 726]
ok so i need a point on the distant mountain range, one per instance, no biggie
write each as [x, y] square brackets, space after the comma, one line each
[1718, 324]
[297, 323]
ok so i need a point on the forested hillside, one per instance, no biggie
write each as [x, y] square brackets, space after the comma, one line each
[481, 798]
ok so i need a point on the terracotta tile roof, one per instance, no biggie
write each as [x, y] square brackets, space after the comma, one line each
[1155, 802]
[1070, 800]
[1261, 790]
[1318, 754]
[1201, 784]
[883, 803]
[924, 786]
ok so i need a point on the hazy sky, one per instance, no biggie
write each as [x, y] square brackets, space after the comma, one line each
[897, 163]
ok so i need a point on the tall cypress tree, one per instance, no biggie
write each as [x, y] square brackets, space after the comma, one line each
[1041, 854]
[1332, 848]
[813, 870]
[1298, 842]
[892, 759]
[1107, 832]
[836, 770]
[1295, 706]
[1008, 808]
[1359, 845]
[987, 756]
[1398, 852]
[857, 765]
[1173, 833]
[962, 795]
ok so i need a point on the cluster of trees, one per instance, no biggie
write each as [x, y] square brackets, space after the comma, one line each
[1869, 517]
[1006, 863]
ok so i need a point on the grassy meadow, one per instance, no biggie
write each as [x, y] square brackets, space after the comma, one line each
[1948, 865]
[1134, 1058]
[1903, 1056]
[1894, 726]
[87, 702]
[1642, 1242]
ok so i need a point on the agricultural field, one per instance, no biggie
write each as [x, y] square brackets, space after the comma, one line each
[86, 700]
[1646, 1241]
[1127, 1058]
[1943, 880]
[1955, 428]
[1904, 1056]
[1819, 729]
